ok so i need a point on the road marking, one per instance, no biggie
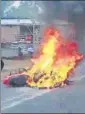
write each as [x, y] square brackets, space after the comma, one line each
[15, 103]
[26, 92]
[13, 98]
[78, 78]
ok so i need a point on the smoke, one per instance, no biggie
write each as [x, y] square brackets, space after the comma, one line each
[54, 10]
[51, 11]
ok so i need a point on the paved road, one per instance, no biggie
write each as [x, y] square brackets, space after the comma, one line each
[27, 100]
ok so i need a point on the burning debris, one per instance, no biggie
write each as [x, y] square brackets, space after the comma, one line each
[57, 59]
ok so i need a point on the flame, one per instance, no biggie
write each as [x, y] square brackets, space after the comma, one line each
[57, 59]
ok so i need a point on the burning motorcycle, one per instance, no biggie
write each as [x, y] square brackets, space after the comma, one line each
[58, 58]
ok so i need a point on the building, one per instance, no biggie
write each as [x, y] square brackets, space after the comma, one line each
[8, 33]
[16, 29]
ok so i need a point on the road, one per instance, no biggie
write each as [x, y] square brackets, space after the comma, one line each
[70, 99]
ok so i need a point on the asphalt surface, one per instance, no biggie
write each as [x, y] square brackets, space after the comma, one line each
[70, 99]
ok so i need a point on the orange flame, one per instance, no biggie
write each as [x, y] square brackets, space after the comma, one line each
[57, 59]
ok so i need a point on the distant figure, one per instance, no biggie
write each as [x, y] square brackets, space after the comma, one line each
[20, 54]
[30, 51]
[2, 64]
[28, 38]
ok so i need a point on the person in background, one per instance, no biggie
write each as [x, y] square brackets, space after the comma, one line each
[2, 64]
[28, 38]
[20, 54]
[30, 51]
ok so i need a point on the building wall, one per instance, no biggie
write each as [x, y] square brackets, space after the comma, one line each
[8, 33]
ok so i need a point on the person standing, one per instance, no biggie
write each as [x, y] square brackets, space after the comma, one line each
[2, 64]
[20, 54]
[30, 51]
